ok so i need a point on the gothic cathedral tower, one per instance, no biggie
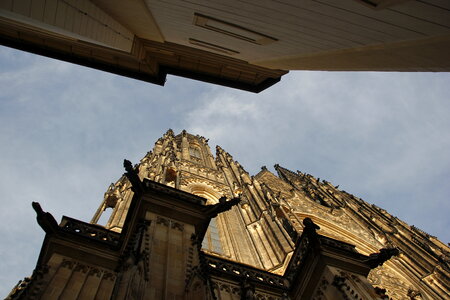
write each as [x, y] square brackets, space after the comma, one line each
[249, 234]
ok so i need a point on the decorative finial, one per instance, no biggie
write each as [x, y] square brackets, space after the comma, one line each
[169, 132]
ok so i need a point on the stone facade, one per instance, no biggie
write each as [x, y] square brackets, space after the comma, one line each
[184, 224]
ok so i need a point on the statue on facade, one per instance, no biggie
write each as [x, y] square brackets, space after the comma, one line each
[248, 291]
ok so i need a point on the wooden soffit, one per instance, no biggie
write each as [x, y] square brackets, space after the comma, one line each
[149, 61]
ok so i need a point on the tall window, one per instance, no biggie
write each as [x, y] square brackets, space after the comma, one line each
[195, 153]
[211, 242]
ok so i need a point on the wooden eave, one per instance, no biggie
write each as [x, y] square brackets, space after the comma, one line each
[148, 61]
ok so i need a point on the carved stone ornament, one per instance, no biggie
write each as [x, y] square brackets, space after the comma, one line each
[90, 231]
[383, 278]
[414, 294]
[132, 176]
[29, 286]
[45, 219]
[377, 259]
[248, 291]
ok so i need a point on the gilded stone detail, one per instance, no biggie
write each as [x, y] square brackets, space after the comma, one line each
[263, 230]
[396, 287]
[258, 249]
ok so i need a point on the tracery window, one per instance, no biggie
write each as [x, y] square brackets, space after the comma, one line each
[214, 235]
[211, 242]
[195, 153]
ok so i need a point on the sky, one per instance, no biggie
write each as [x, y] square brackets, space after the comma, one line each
[65, 130]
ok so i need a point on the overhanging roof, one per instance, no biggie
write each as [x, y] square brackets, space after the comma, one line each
[246, 45]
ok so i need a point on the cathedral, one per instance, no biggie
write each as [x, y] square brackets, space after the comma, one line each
[185, 224]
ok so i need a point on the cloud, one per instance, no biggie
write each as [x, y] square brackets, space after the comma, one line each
[382, 136]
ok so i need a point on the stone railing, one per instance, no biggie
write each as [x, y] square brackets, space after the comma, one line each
[242, 272]
[91, 231]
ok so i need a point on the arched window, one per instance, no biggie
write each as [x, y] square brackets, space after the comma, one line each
[212, 241]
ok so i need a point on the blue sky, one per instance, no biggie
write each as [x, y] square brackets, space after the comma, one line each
[65, 130]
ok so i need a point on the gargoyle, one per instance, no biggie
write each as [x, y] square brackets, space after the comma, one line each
[378, 259]
[132, 176]
[45, 219]
[310, 227]
[223, 205]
